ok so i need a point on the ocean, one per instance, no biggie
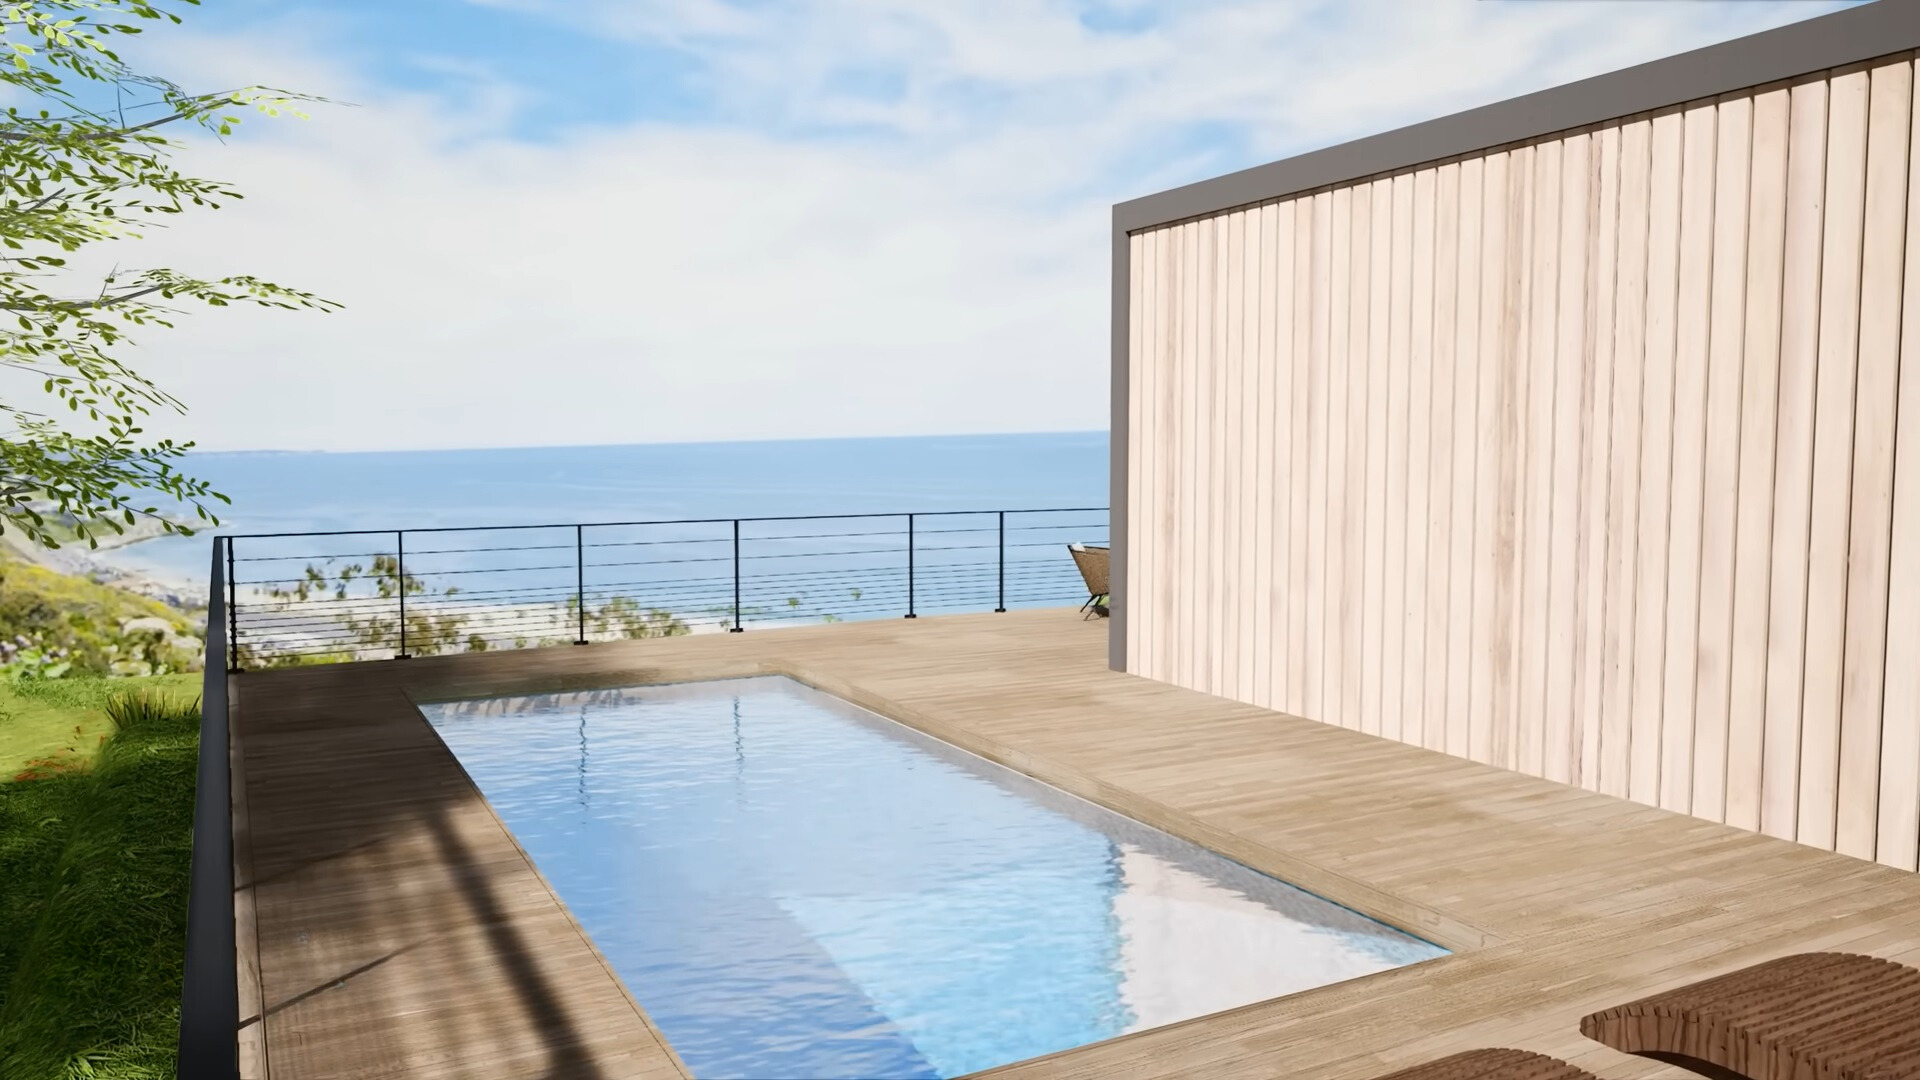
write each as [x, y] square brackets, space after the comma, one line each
[279, 492]
[297, 492]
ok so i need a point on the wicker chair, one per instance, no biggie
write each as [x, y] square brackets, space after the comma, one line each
[1092, 562]
[1493, 1065]
[1837, 1016]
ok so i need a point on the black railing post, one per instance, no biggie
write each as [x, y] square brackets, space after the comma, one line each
[736, 627]
[910, 613]
[400, 573]
[233, 616]
[1003, 562]
[580, 578]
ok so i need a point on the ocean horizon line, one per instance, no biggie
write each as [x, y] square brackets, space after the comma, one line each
[282, 452]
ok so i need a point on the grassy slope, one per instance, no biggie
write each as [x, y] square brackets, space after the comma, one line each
[84, 617]
[65, 719]
[93, 914]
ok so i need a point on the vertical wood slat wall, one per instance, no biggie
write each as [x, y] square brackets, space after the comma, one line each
[1596, 457]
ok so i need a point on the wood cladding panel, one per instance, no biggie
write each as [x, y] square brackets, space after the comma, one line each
[1595, 457]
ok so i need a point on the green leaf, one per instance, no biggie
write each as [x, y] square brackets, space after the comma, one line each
[67, 180]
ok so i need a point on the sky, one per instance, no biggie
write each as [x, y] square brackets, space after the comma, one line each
[578, 222]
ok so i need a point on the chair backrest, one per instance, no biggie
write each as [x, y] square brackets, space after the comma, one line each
[1093, 564]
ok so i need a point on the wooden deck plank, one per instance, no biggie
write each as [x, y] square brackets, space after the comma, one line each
[403, 932]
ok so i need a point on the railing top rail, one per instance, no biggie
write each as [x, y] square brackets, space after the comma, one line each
[669, 521]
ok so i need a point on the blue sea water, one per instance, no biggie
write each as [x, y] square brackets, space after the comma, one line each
[275, 492]
[792, 886]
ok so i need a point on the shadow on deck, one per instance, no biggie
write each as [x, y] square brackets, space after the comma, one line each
[398, 930]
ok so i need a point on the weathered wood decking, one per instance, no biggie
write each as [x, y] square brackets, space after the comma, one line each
[398, 930]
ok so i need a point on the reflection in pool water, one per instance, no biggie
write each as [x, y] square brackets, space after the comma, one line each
[793, 886]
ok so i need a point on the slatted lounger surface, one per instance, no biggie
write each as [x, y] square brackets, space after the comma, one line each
[1815, 1016]
[1493, 1065]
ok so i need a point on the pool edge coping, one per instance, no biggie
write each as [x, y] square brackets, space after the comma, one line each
[1463, 939]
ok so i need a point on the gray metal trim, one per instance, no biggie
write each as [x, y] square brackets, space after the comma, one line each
[1844, 37]
[1117, 438]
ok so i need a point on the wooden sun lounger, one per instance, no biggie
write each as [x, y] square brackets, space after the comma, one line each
[1831, 1016]
[1093, 564]
[1494, 1065]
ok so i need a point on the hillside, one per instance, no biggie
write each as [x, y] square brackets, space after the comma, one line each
[56, 624]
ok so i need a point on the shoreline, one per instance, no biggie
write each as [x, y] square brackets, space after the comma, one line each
[77, 560]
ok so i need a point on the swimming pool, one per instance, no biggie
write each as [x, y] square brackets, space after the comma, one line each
[793, 886]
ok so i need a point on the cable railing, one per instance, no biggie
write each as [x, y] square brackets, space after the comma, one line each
[303, 598]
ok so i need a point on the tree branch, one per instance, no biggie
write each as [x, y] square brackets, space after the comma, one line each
[105, 301]
[94, 136]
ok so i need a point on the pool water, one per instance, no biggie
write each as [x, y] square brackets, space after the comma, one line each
[793, 886]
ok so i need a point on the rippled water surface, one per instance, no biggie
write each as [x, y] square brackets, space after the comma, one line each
[795, 887]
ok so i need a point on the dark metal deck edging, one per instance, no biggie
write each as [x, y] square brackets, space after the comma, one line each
[210, 989]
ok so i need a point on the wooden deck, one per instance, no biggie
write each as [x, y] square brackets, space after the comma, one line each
[397, 929]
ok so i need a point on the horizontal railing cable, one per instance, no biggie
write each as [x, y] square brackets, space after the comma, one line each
[416, 600]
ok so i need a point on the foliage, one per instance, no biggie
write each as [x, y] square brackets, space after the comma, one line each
[371, 626]
[93, 919]
[335, 614]
[257, 658]
[343, 613]
[72, 175]
[622, 616]
[55, 625]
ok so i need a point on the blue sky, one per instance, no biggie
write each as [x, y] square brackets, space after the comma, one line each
[599, 221]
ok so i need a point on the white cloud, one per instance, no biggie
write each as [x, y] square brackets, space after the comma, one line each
[654, 282]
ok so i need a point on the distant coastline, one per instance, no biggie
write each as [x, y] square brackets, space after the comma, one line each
[77, 559]
[569, 447]
[300, 491]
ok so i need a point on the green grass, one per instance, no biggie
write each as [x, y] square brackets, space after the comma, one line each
[60, 723]
[95, 862]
